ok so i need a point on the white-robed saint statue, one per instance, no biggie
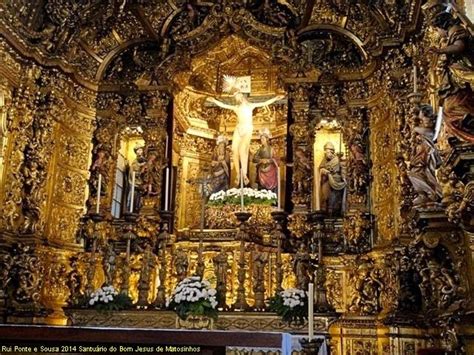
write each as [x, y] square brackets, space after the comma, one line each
[244, 129]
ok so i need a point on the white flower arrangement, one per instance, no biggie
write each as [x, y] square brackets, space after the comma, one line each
[291, 305]
[107, 298]
[293, 297]
[232, 196]
[104, 294]
[193, 296]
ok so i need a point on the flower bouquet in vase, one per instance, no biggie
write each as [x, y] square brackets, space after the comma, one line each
[195, 303]
[291, 305]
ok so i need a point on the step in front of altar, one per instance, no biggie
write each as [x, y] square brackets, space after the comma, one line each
[153, 319]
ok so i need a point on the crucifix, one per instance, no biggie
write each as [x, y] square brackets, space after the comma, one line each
[203, 183]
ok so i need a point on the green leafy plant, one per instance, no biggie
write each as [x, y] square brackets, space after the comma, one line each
[291, 305]
[195, 297]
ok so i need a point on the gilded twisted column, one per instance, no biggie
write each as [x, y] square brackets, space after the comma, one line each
[241, 302]
[162, 242]
[302, 139]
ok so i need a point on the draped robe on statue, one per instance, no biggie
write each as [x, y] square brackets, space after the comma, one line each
[220, 169]
[267, 168]
[332, 186]
[424, 162]
[455, 87]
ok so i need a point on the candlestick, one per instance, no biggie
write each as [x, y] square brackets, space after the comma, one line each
[133, 192]
[99, 186]
[316, 186]
[415, 79]
[127, 257]
[279, 189]
[340, 142]
[310, 311]
[170, 195]
[439, 121]
[241, 190]
[320, 250]
[167, 191]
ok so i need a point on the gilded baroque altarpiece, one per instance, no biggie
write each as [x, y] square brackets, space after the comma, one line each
[108, 143]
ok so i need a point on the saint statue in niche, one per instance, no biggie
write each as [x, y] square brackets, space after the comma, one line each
[100, 166]
[332, 182]
[220, 166]
[244, 129]
[267, 163]
[150, 174]
[137, 168]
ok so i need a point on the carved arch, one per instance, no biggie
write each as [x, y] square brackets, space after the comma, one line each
[332, 28]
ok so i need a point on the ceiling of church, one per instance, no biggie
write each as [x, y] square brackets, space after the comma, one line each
[116, 41]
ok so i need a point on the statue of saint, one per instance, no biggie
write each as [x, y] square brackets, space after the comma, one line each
[301, 267]
[243, 131]
[100, 165]
[220, 166]
[150, 174]
[221, 267]
[332, 182]
[137, 167]
[424, 160]
[181, 264]
[267, 163]
[109, 263]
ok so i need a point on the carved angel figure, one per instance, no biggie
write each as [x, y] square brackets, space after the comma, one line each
[424, 160]
[302, 175]
[457, 75]
[109, 263]
[367, 286]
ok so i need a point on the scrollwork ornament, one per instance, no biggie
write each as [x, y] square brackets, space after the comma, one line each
[6, 263]
[21, 117]
[298, 225]
[458, 198]
[38, 152]
[355, 134]
[27, 273]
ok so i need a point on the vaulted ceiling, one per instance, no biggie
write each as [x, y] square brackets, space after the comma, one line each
[114, 41]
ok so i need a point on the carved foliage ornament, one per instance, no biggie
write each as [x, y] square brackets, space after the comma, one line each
[368, 285]
[26, 279]
[57, 24]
